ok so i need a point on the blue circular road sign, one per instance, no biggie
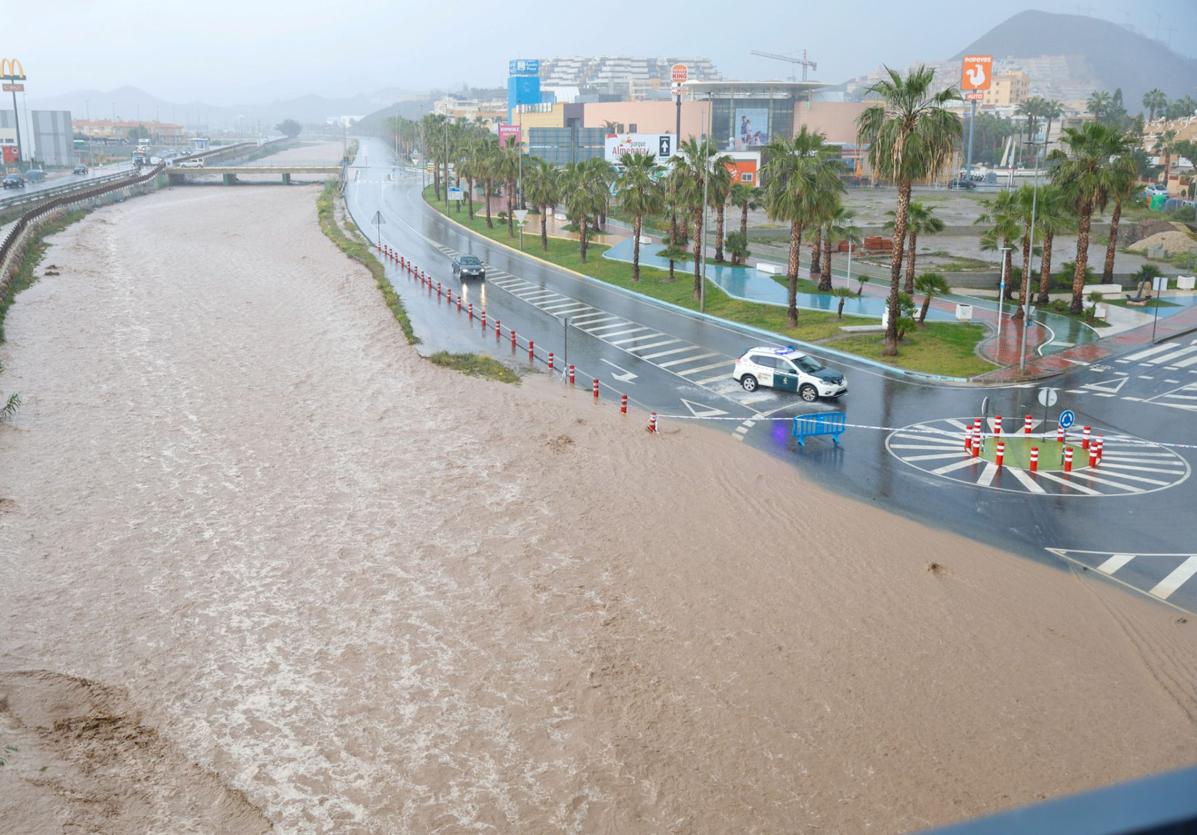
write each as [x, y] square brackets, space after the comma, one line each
[1067, 418]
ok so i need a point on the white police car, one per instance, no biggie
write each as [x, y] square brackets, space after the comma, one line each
[788, 369]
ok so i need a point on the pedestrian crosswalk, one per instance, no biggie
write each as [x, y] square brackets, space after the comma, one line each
[1169, 356]
[1168, 577]
[1184, 397]
[692, 363]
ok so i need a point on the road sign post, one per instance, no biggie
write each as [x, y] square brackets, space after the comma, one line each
[521, 216]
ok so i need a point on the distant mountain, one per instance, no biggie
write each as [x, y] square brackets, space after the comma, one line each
[1115, 55]
[135, 103]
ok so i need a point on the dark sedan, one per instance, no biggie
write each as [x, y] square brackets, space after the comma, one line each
[14, 181]
[468, 266]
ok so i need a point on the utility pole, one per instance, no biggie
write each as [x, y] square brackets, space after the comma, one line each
[702, 244]
[1026, 313]
[968, 154]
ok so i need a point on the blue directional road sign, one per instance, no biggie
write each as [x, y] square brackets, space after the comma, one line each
[1067, 418]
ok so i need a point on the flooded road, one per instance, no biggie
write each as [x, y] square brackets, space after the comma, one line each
[360, 593]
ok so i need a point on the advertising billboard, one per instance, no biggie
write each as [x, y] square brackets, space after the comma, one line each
[752, 127]
[658, 144]
[976, 72]
[523, 66]
[506, 132]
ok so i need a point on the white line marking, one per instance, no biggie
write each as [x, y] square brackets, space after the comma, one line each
[1134, 456]
[1130, 477]
[956, 423]
[533, 296]
[1154, 350]
[759, 397]
[608, 336]
[937, 456]
[701, 368]
[593, 319]
[1119, 466]
[670, 351]
[594, 330]
[1026, 480]
[565, 308]
[987, 474]
[650, 347]
[721, 378]
[685, 360]
[950, 467]
[1080, 488]
[621, 342]
[1087, 474]
[928, 446]
[1163, 590]
[1114, 563]
[1167, 359]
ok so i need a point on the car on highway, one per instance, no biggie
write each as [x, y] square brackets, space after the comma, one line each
[191, 163]
[788, 369]
[14, 181]
[962, 183]
[35, 175]
[80, 169]
[468, 266]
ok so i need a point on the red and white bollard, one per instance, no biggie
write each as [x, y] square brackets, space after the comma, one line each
[623, 404]
[459, 304]
[997, 425]
[484, 321]
[498, 328]
[471, 311]
[1067, 459]
[402, 262]
[968, 439]
[1034, 459]
[531, 351]
[438, 291]
[1026, 425]
[571, 373]
[596, 389]
[1092, 456]
[1085, 437]
[513, 339]
[550, 360]
[449, 297]
[1059, 434]
[652, 422]
[999, 453]
[976, 441]
[1100, 444]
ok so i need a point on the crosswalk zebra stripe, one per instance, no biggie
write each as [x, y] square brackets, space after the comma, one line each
[660, 344]
[1167, 359]
[564, 307]
[1164, 589]
[1142, 354]
[723, 363]
[597, 330]
[667, 353]
[685, 360]
[621, 342]
[593, 319]
[1186, 363]
[1080, 488]
[1026, 480]
[608, 336]
[710, 380]
[1114, 563]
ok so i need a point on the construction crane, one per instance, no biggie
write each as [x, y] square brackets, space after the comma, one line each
[789, 59]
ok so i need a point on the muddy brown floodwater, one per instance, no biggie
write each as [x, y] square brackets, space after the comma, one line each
[260, 565]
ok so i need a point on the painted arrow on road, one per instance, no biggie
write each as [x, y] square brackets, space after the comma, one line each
[624, 376]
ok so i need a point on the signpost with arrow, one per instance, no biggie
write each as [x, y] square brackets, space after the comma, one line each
[378, 220]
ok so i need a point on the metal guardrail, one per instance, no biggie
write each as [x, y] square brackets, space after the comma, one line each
[53, 204]
[19, 200]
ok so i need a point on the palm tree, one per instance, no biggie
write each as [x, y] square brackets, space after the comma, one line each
[487, 170]
[692, 167]
[507, 169]
[744, 198]
[1052, 216]
[718, 190]
[1083, 173]
[797, 172]
[584, 194]
[1124, 182]
[434, 127]
[1156, 102]
[540, 187]
[602, 176]
[1165, 146]
[839, 228]
[910, 136]
[1003, 218]
[929, 284]
[1099, 104]
[1052, 110]
[920, 220]
[639, 194]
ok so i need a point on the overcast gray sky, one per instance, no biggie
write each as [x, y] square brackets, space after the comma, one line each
[226, 52]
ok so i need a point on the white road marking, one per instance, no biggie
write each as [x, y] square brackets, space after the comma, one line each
[719, 379]
[1164, 589]
[702, 409]
[593, 318]
[701, 368]
[1167, 359]
[1186, 363]
[1088, 491]
[685, 360]
[957, 424]
[622, 342]
[952, 467]
[667, 353]
[928, 446]
[987, 474]
[624, 376]
[1153, 350]
[937, 456]
[609, 336]
[1114, 563]
[1133, 477]
[650, 347]
[565, 308]
[533, 296]
[597, 330]
[1086, 474]
[1026, 480]
[758, 397]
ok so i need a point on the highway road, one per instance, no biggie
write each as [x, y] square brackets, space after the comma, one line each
[8, 196]
[1129, 520]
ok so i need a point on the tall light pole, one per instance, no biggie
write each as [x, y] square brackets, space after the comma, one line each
[702, 243]
[1001, 297]
[1026, 313]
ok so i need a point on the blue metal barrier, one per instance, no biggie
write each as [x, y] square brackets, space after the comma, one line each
[820, 423]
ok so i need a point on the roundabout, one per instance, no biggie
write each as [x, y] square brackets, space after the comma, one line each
[1127, 467]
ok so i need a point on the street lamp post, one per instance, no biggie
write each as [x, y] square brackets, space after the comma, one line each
[1001, 297]
[1026, 313]
[702, 243]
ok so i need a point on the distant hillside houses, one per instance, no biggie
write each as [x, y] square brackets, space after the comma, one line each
[637, 78]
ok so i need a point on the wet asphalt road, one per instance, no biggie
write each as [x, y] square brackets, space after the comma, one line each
[1132, 519]
[11, 195]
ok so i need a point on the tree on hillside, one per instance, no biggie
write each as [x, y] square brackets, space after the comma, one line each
[911, 135]
[289, 128]
[1181, 108]
[1154, 101]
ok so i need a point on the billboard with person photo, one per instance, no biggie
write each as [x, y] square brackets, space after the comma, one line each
[752, 127]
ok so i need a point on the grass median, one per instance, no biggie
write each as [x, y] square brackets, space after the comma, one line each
[941, 348]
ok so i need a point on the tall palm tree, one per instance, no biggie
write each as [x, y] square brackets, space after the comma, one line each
[1052, 216]
[1124, 182]
[1052, 110]
[744, 198]
[920, 220]
[1083, 172]
[584, 193]
[434, 127]
[839, 228]
[639, 194]
[718, 190]
[796, 173]
[1156, 102]
[507, 169]
[1165, 146]
[602, 176]
[929, 284]
[692, 165]
[910, 135]
[1099, 104]
[487, 170]
[540, 188]
[1003, 220]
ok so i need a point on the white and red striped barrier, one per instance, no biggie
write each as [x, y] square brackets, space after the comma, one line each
[1067, 459]
[1034, 459]
[1085, 438]
[1026, 425]
[999, 454]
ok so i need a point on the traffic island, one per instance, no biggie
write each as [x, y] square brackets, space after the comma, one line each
[1017, 452]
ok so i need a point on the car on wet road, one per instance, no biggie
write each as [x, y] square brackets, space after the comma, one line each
[469, 266]
[14, 181]
[788, 369]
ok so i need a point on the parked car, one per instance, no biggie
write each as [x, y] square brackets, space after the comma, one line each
[788, 369]
[468, 266]
[80, 169]
[191, 163]
[35, 175]
[14, 181]
[964, 184]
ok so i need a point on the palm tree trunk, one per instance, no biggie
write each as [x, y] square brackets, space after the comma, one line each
[544, 227]
[719, 236]
[744, 221]
[825, 284]
[490, 187]
[895, 268]
[1024, 285]
[923, 309]
[1082, 258]
[792, 273]
[909, 288]
[470, 196]
[436, 182]
[697, 252]
[816, 261]
[511, 208]
[636, 247]
[1045, 269]
[1107, 273]
[584, 228]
